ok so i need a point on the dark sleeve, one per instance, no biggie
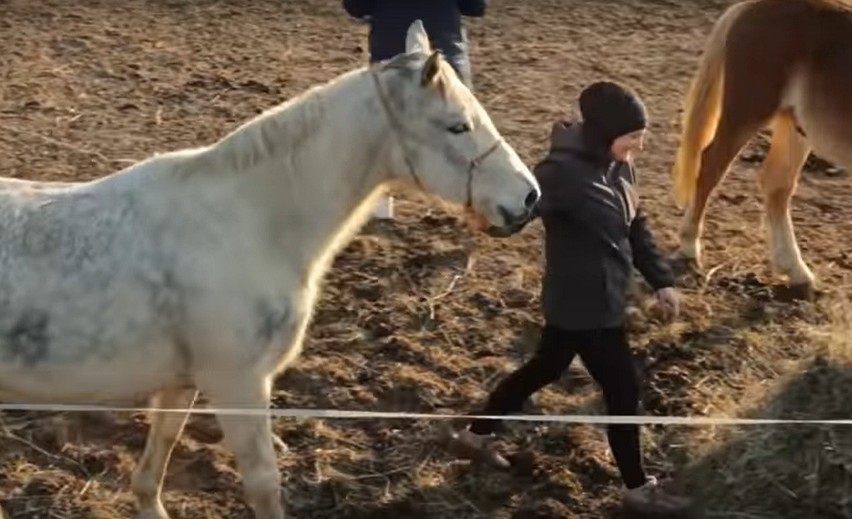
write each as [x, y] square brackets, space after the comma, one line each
[547, 174]
[359, 8]
[472, 7]
[647, 258]
[559, 194]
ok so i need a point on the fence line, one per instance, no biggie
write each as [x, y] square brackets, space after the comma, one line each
[346, 414]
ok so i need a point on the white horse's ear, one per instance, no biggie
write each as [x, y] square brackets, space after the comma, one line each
[431, 68]
[417, 40]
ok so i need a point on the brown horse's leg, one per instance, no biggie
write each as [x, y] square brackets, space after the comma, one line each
[738, 124]
[759, 57]
[778, 180]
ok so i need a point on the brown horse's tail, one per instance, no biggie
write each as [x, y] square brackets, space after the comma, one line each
[702, 107]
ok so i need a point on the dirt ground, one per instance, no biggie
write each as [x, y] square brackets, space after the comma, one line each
[89, 87]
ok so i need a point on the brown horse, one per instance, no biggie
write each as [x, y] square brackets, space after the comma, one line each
[783, 64]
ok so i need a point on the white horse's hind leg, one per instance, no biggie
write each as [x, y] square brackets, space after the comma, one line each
[778, 179]
[147, 481]
[249, 437]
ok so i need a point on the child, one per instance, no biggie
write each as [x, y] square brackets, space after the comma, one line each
[595, 233]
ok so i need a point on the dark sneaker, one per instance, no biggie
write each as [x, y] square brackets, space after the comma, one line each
[475, 447]
[653, 498]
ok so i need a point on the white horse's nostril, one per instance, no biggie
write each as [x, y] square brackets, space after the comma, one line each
[531, 200]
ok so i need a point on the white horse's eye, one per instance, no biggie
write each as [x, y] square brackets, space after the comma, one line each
[459, 128]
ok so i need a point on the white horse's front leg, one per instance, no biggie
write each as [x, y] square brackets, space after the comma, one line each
[147, 481]
[249, 437]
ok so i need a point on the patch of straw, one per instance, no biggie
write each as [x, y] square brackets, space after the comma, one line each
[789, 471]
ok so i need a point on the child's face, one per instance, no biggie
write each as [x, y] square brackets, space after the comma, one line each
[623, 147]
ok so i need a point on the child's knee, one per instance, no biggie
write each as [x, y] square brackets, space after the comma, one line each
[624, 398]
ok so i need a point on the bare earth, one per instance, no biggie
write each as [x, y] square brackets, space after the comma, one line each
[89, 87]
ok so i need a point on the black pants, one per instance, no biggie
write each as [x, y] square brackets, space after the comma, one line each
[606, 354]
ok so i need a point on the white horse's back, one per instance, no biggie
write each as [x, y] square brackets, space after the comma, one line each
[77, 275]
[110, 288]
[20, 184]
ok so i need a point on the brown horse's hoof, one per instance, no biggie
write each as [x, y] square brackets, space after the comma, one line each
[682, 265]
[796, 292]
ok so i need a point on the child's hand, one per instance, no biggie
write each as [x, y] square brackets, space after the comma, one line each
[668, 298]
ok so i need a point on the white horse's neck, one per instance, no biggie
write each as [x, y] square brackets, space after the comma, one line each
[309, 169]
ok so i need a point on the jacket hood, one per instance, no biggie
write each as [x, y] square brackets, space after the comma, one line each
[566, 137]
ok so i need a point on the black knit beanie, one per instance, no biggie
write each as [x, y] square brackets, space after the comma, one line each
[610, 111]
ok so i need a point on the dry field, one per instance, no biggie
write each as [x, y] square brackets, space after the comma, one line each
[88, 86]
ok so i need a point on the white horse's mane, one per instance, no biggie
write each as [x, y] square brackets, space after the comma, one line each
[293, 121]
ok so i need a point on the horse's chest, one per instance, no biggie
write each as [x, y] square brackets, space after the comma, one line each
[268, 318]
[272, 320]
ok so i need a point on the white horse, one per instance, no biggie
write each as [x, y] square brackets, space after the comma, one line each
[198, 269]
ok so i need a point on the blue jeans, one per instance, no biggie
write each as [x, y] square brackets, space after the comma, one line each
[461, 64]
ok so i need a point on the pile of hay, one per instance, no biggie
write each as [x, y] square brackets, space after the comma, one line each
[796, 471]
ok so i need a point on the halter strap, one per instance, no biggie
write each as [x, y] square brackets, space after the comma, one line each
[399, 130]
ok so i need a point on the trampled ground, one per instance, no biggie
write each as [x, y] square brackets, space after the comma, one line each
[88, 87]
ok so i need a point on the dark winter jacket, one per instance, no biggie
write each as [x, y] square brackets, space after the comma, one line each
[442, 19]
[595, 233]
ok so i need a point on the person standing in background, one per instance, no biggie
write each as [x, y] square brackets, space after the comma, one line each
[389, 21]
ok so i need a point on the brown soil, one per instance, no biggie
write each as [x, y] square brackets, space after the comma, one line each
[88, 87]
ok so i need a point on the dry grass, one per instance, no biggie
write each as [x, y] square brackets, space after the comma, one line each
[419, 315]
[796, 470]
